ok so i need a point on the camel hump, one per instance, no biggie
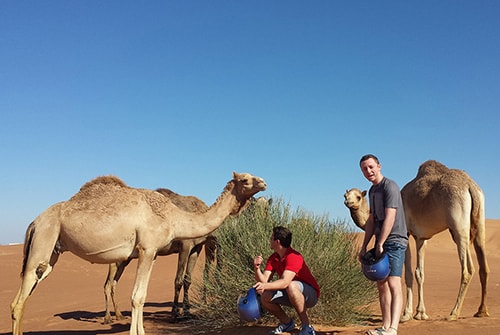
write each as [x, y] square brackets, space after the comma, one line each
[432, 168]
[166, 192]
[188, 203]
[434, 177]
[440, 173]
[104, 180]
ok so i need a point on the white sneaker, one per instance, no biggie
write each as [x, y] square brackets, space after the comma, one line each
[307, 330]
[284, 328]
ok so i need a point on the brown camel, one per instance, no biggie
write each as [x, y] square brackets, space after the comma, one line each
[438, 198]
[188, 250]
[108, 222]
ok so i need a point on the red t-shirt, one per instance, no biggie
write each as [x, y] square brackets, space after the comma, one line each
[292, 261]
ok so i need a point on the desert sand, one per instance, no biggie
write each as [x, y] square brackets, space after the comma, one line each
[71, 301]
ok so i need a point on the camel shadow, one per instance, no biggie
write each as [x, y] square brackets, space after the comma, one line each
[165, 314]
[115, 328]
[86, 316]
[159, 317]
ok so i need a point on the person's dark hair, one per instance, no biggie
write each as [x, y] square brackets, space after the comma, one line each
[283, 235]
[368, 156]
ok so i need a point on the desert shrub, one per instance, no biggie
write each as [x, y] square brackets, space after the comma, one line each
[329, 249]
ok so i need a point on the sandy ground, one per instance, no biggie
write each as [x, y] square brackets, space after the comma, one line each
[70, 300]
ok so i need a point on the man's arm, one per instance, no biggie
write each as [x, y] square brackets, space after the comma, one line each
[279, 284]
[259, 275]
[390, 218]
[369, 231]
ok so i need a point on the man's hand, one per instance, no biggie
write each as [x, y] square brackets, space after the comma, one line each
[259, 287]
[361, 254]
[257, 262]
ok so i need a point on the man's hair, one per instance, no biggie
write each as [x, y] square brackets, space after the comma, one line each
[368, 156]
[283, 235]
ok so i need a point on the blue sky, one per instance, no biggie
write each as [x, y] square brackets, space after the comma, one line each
[179, 94]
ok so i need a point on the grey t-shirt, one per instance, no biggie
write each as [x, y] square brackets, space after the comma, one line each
[387, 195]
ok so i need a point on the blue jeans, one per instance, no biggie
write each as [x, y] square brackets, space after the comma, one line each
[396, 253]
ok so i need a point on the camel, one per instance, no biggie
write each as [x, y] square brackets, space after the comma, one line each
[108, 222]
[188, 250]
[355, 201]
[438, 198]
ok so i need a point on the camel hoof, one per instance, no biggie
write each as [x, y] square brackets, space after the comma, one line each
[421, 316]
[405, 318]
[452, 317]
[482, 314]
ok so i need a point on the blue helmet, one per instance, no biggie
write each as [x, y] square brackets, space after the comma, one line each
[374, 268]
[249, 306]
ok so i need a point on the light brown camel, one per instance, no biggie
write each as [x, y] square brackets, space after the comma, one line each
[437, 199]
[188, 250]
[355, 201]
[108, 222]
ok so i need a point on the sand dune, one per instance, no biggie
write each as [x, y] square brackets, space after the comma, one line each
[70, 300]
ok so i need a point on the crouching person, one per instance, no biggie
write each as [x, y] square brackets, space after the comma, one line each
[296, 286]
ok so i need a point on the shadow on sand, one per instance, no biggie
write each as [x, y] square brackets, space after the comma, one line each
[115, 328]
[162, 316]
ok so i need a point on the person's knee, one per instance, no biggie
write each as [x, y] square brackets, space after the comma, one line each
[266, 297]
[293, 288]
[394, 282]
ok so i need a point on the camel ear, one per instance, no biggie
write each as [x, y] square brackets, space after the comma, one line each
[235, 175]
[363, 193]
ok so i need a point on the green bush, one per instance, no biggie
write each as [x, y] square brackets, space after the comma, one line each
[329, 249]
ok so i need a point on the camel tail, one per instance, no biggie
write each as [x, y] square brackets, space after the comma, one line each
[27, 245]
[477, 215]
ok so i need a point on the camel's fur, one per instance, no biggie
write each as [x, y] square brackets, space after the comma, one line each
[188, 250]
[439, 198]
[108, 222]
[355, 200]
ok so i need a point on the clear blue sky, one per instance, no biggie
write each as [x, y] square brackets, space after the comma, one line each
[179, 94]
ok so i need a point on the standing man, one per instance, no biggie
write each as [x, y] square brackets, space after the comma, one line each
[295, 287]
[387, 223]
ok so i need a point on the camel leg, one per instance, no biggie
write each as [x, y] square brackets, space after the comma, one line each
[30, 280]
[181, 266]
[210, 258]
[144, 267]
[480, 247]
[467, 269]
[407, 315]
[114, 274]
[420, 276]
[108, 288]
[462, 242]
[40, 257]
[193, 258]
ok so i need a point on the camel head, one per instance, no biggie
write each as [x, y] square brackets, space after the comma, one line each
[245, 187]
[355, 200]
[261, 202]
